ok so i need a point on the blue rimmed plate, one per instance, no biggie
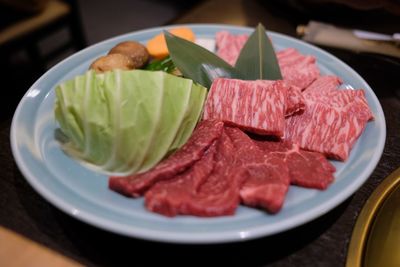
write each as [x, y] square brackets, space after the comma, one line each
[84, 194]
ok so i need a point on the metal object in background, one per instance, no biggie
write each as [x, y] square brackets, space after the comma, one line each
[329, 35]
[376, 236]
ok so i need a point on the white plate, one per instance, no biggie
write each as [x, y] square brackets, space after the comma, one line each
[85, 195]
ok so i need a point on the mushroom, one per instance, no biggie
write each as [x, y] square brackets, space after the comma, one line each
[136, 51]
[112, 61]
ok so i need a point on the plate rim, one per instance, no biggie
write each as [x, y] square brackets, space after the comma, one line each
[196, 238]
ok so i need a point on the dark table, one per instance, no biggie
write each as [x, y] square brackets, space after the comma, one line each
[322, 242]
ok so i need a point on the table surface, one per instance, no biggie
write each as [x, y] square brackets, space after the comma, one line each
[322, 242]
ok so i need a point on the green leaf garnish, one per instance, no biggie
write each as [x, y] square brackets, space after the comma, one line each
[197, 63]
[257, 59]
[165, 64]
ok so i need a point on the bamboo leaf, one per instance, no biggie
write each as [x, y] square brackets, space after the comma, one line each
[257, 60]
[196, 62]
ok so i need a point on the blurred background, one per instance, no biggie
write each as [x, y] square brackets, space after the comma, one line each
[37, 34]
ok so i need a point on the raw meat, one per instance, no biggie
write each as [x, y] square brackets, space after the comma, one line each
[323, 84]
[233, 168]
[297, 70]
[324, 129]
[202, 137]
[325, 90]
[332, 121]
[306, 168]
[295, 102]
[209, 188]
[294, 98]
[256, 106]
[267, 176]
[229, 45]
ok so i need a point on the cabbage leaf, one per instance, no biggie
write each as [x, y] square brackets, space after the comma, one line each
[126, 121]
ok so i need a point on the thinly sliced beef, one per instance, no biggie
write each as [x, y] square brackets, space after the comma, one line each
[229, 45]
[209, 188]
[324, 129]
[231, 168]
[333, 119]
[203, 136]
[306, 168]
[297, 69]
[256, 106]
[266, 179]
[323, 84]
[295, 102]
[351, 102]
[325, 90]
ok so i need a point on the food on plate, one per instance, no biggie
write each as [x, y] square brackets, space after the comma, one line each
[297, 70]
[229, 45]
[203, 136]
[135, 50]
[209, 188]
[192, 153]
[111, 62]
[327, 122]
[306, 168]
[157, 46]
[332, 121]
[126, 121]
[298, 122]
[212, 176]
[165, 64]
[264, 177]
[257, 106]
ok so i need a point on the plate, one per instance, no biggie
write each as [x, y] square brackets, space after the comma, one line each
[84, 194]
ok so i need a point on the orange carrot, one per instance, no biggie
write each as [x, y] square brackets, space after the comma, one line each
[157, 46]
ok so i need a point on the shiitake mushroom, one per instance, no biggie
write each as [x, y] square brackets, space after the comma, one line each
[112, 61]
[136, 51]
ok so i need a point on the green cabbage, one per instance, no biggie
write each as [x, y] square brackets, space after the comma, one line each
[126, 121]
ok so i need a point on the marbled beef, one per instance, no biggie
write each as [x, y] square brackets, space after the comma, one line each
[297, 69]
[332, 121]
[306, 168]
[256, 106]
[229, 45]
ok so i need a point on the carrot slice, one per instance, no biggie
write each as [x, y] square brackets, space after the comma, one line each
[157, 46]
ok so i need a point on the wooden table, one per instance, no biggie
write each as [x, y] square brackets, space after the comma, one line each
[322, 242]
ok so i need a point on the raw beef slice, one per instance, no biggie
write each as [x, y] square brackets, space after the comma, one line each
[325, 129]
[229, 45]
[306, 168]
[209, 188]
[297, 69]
[295, 102]
[203, 136]
[325, 90]
[256, 106]
[266, 176]
[323, 84]
[333, 119]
